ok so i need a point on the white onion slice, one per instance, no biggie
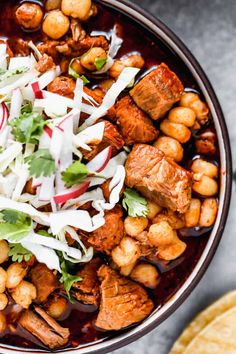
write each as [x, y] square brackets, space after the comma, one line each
[100, 161]
[8, 184]
[43, 255]
[35, 49]
[20, 81]
[109, 99]
[90, 135]
[20, 62]
[116, 43]
[56, 144]
[110, 169]
[16, 103]
[46, 191]
[22, 179]
[9, 154]
[78, 95]
[3, 56]
[66, 157]
[116, 185]
[51, 242]
[75, 218]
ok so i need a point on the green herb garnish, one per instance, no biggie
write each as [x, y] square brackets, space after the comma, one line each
[14, 225]
[134, 203]
[18, 253]
[28, 127]
[41, 163]
[75, 174]
[68, 280]
[100, 62]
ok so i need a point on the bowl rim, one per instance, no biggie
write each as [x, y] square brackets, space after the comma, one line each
[159, 29]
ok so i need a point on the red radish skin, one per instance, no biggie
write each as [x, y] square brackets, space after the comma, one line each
[71, 193]
[37, 91]
[4, 115]
[48, 131]
[92, 165]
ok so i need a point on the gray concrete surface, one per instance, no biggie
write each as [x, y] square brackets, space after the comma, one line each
[208, 28]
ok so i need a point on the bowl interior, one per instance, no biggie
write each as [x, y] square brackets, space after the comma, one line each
[185, 66]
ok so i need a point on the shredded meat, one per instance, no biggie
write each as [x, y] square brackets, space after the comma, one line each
[111, 138]
[63, 86]
[45, 63]
[49, 47]
[123, 302]
[44, 280]
[158, 177]
[110, 234]
[87, 290]
[156, 93]
[19, 46]
[134, 125]
[46, 329]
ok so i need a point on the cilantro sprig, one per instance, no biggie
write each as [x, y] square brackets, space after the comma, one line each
[18, 253]
[14, 225]
[41, 163]
[68, 280]
[75, 174]
[28, 127]
[134, 203]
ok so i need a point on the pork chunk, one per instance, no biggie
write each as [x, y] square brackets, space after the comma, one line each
[45, 328]
[158, 178]
[63, 86]
[156, 93]
[135, 126]
[110, 234]
[123, 302]
[87, 290]
[44, 280]
[111, 137]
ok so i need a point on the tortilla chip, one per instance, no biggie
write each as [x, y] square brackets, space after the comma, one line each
[219, 337]
[222, 305]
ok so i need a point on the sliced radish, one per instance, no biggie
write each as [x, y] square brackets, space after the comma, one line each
[36, 182]
[48, 131]
[100, 161]
[71, 193]
[38, 93]
[16, 103]
[4, 114]
[19, 81]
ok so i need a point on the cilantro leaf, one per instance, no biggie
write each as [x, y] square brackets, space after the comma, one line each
[27, 108]
[18, 253]
[41, 163]
[68, 280]
[134, 203]
[14, 225]
[100, 62]
[74, 69]
[75, 174]
[10, 215]
[85, 80]
[28, 127]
